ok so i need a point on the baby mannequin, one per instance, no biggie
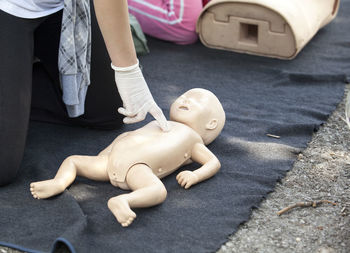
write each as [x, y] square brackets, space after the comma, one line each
[137, 160]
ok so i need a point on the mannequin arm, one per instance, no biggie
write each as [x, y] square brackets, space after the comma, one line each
[204, 156]
[211, 165]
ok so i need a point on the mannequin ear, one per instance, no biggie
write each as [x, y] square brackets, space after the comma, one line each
[212, 124]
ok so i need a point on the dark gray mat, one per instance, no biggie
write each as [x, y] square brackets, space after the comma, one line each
[286, 98]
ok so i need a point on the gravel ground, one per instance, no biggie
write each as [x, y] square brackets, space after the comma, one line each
[322, 172]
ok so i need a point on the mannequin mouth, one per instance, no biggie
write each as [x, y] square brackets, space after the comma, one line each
[184, 108]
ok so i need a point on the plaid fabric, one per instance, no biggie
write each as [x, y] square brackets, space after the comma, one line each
[74, 54]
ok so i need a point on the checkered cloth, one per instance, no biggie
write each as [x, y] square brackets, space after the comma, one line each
[74, 55]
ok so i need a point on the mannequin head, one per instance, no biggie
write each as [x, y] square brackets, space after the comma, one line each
[201, 110]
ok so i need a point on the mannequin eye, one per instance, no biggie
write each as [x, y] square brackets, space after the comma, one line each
[182, 100]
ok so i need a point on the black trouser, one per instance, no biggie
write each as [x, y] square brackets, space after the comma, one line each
[32, 91]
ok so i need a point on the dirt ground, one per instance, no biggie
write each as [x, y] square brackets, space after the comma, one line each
[322, 172]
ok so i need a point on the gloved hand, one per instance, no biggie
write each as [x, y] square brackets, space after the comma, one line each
[136, 96]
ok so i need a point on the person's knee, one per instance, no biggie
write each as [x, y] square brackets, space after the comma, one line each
[11, 155]
[9, 175]
[10, 161]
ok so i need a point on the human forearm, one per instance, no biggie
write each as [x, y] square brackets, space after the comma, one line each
[113, 20]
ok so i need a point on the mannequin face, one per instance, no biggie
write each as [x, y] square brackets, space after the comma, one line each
[191, 109]
[201, 110]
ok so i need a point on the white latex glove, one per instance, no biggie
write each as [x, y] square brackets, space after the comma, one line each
[136, 96]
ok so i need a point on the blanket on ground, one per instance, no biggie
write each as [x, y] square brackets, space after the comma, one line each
[261, 96]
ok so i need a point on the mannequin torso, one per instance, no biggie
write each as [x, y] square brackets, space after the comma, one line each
[163, 152]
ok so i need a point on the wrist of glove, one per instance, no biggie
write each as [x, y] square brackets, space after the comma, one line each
[136, 96]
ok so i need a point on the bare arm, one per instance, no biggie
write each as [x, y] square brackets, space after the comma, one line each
[113, 20]
[210, 166]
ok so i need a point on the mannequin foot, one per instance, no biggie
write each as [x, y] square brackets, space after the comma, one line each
[46, 189]
[119, 206]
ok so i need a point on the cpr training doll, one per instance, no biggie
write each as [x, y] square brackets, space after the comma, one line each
[137, 160]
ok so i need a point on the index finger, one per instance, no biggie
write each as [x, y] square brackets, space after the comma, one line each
[157, 113]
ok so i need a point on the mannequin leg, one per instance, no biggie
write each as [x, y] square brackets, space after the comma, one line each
[16, 54]
[147, 190]
[92, 167]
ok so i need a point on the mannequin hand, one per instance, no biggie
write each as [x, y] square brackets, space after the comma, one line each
[187, 178]
[136, 96]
